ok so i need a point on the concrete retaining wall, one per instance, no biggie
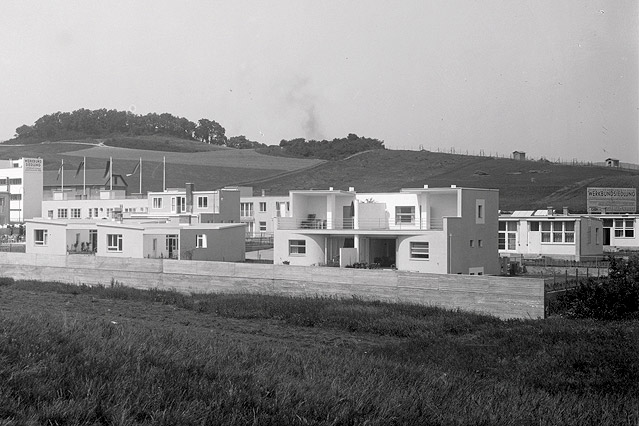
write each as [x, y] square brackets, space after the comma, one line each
[504, 297]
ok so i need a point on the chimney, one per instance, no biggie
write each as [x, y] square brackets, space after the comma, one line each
[330, 188]
[565, 211]
[190, 187]
[351, 189]
[425, 186]
[263, 192]
[551, 211]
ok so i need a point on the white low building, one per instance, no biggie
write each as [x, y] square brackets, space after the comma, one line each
[544, 233]
[170, 239]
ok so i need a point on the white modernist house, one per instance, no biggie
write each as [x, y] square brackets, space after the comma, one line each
[21, 186]
[537, 233]
[259, 212]
[170, 239]
[219, 206]
[432, 230]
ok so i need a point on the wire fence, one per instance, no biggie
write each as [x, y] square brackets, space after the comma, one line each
[512, 156]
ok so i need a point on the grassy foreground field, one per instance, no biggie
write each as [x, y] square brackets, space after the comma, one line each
[74, 355]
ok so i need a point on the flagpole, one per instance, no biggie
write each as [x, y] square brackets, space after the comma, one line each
[62, 174]
[111, 173]
[84, 177]
[140, 175]
[164, 175]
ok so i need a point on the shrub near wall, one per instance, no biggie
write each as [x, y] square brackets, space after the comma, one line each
[613, 297]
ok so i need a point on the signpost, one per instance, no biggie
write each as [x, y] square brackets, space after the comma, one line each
[612, 200]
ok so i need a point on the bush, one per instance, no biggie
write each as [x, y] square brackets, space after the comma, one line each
[6, 281]
[610, 298]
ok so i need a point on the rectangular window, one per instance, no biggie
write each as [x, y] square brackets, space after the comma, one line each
[480, 243]
[262, 206]
[545, 232]
[507, 239]
[405, 214]
[262, 226]
[181, 204]
[75, 213]
[250, 228]
[202, 202]
[157, 202]
[296, 247]
[624, 228]
[62, 213]
[246, 209]
[472, 243]
[534, 226]
[40, 237]
[50, 214]
[597, 242]
[16, 197]
[419, 250]
[480, 206]
[114, 242]
[15, 181]
[200, 241]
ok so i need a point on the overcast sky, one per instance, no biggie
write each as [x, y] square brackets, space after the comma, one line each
[553, 78]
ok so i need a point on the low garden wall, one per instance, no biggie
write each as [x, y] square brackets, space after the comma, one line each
[504, 297]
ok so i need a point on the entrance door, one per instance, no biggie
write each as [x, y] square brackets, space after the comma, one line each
[172, 246]
[606, 236]
[93, 238]
[348, 214]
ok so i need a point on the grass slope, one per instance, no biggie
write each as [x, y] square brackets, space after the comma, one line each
[81, 356]
[522, 184]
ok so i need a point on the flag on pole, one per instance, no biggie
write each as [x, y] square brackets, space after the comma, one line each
[79, 168]
[135, 169]
[108, 168]
[60, 170]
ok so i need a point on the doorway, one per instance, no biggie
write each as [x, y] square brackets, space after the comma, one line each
[382, 251]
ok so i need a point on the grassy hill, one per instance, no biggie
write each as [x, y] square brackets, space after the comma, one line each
[94, 355]
[522, 184]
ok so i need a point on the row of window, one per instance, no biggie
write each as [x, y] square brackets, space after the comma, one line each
[246, 209]
[76, 213]
[419, 250]
[179, 203]
[561, 231]
[114, 241]
[14, 181]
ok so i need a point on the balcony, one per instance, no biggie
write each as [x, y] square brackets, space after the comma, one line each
[369, 224]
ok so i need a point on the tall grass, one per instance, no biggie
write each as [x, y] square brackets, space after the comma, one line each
[391, 364]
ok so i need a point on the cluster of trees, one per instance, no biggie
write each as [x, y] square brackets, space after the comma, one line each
[330, 150]
[103, 122]
[98, 123]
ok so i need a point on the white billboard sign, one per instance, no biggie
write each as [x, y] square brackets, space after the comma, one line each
[612, 200]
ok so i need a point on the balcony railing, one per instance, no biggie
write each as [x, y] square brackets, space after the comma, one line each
[294, 223]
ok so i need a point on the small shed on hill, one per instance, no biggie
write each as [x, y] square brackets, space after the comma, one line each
[612, 162]
[519, 155]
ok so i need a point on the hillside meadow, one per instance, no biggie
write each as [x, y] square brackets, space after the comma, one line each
[522, 184]
[78, 355]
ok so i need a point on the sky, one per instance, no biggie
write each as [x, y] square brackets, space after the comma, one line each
[556, 79]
